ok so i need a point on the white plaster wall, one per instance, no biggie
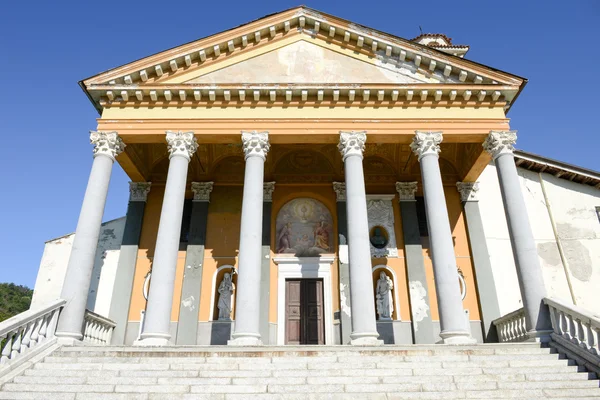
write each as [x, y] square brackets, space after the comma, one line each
[53, 267]
[573, 207]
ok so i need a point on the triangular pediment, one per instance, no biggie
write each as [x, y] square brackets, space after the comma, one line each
[303, 62]
[300, 47]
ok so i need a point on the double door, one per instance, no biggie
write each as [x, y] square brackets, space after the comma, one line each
[304, 322]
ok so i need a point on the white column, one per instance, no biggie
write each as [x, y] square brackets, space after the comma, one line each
[364, 325]
[537, 318]
[157, 321]
[453, 324]
[247, 305]
[107, 145]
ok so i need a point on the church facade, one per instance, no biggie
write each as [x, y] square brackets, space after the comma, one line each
[302, 179]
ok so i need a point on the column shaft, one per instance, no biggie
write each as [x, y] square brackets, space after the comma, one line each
[247, 313]
[123, 287]
[187, 326]
[452, 318]
[364, 325]
[529, 271]
[344, 273]
[415, 269]
[157, 321]
[81, 262]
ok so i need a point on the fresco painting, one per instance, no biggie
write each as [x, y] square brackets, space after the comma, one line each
[304, 228]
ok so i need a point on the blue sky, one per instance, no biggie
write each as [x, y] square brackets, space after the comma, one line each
[46, 47]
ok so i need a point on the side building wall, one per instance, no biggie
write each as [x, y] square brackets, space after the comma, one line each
[573, 207]
[53, 267]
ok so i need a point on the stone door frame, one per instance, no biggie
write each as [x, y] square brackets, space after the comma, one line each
[305, 267]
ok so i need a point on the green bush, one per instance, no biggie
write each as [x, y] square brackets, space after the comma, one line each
[14, 299]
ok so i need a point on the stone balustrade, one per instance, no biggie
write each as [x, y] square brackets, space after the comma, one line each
[97, 329]
[28, 331]
[511, 327]
[577, 331]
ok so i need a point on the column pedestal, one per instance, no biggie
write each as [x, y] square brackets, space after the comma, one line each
[81, 262]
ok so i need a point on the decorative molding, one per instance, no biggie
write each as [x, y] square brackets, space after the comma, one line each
[406, 190]
[181, 144]
[352, 143]
[255, 144]
[107, 143]
[500, 142]
[426, 143]
[268, 188]
[380, 213]
[202, 191]
[468, 190]
[340, 191]
[138, 191]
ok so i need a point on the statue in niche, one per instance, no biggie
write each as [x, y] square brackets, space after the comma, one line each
[378, 240]
[225, 295]
[383, 296]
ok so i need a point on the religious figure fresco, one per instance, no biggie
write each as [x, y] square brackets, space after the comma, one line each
[304, 228]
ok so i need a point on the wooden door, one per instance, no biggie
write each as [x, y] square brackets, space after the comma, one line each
[304, 312]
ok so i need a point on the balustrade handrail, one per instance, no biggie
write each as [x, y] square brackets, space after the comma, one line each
[508, 317]
[27, 316]
[90, 315]
[579, 313]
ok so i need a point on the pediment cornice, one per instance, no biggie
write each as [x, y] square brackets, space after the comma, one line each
[147, 80]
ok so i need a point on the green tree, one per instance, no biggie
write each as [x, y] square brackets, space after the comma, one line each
[14, 299]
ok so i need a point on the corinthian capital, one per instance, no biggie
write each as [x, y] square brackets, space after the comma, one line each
[426, 143]
[340, 190]
[468, 190]
[268, 188]
[138, 191]
[352, 143]
[406, 190]
[255, 144]
[500, 142]
[202, 190]
[106, 143]
[181, 144]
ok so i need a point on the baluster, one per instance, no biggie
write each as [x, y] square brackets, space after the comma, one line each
[573, 329]
[35, 334]
[513, 330]
[109, 334]
[51, 329]
[94, 332]
[26, 341]
[44, 327]
[593, 340]
[554, 319]
[581, 334]
[16, 346]
[7, 350]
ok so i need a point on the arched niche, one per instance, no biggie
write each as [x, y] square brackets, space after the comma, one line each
[304, 228]
[376, 270]
[214, 298]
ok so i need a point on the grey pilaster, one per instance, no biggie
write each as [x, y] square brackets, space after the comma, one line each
[422, 326]
[265, 276]
[537, 318]
[187, 326]
[426, 146]
[107, 145]
[123, 287]
[182, 146]
[364, 325]
[484, 278]
[247, 312]
[343, 266]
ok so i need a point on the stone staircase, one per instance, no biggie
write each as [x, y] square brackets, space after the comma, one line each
[501, 371]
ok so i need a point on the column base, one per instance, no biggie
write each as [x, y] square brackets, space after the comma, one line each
[153, 340]
[457, 337]
[365, 339]
[245, 339]
[68, 338]
[539, 336]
